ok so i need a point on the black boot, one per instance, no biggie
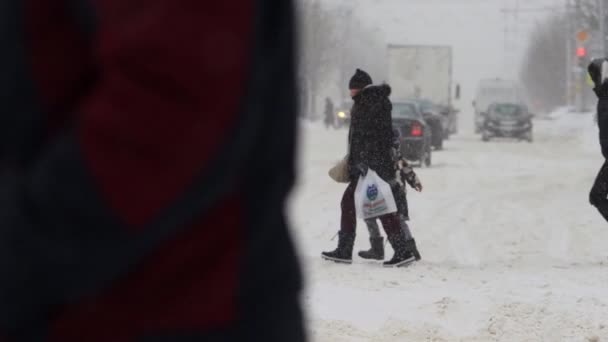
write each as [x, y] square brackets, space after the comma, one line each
[404, 255]
[411, 246]
[344, 252]
[376, 252]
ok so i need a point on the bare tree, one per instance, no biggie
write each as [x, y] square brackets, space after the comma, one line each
[361, 47]
[586, 12]
[587, 17]
[333, 42]
[544, 70]
[316, 39]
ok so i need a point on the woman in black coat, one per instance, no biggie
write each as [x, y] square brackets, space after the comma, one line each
[370, 143]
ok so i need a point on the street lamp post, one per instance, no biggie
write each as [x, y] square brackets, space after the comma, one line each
[602, 21]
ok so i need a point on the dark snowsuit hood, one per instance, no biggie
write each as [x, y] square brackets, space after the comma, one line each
[382, 90]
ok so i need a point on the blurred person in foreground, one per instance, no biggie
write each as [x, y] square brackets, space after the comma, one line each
[599, 192]
[147, 151]
[370, 142]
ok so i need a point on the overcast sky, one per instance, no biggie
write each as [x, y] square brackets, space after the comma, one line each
[475, 29]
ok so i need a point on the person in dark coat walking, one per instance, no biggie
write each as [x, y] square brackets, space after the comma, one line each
[140, 198]
[330, 116]
[599, 192]
[370, 142]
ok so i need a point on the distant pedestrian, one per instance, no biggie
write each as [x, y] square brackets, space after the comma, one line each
[330, 116]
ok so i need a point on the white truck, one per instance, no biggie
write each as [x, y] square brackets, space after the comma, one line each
[422, 72]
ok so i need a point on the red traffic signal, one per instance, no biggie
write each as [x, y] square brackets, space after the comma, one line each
[581, 52]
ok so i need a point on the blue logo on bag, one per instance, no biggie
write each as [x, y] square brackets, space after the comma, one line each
[372, 192]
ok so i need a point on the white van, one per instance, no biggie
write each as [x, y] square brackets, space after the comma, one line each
[492, 91]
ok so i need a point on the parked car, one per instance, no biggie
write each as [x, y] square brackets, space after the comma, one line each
[451, 120]
[507, 120]
[436, 121]
[415, 133]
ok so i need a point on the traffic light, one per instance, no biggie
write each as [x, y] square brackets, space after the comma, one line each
[581, 56]
[581, 52]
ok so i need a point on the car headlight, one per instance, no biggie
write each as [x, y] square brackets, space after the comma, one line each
[341, 115]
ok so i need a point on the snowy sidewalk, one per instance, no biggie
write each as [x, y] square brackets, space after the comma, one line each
[512, 251]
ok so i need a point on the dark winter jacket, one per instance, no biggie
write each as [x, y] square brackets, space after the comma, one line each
[139, 199]
[371, 135]
[404, 173]
[602, 119]
[601, 90]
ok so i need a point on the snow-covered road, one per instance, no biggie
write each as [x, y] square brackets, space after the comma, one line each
[512, 251]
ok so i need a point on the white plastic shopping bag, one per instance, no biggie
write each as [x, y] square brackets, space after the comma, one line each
[373, 197]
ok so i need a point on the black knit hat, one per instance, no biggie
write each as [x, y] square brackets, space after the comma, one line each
[360, 80]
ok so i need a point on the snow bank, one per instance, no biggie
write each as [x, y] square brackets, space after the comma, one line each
[579, 127]
[512, 251]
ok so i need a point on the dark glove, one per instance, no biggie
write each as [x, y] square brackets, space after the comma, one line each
[361, 170]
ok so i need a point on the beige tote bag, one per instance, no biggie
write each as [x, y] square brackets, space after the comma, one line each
[339, 173]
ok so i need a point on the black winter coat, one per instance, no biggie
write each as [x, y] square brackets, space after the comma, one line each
[602, 120]
[371, 135]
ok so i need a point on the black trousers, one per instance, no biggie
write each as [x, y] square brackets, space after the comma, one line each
[348, 220]
[599, 192]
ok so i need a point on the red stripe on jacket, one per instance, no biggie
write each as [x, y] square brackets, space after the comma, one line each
[171, 77]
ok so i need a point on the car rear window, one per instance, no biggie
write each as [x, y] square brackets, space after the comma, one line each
[507, 110]
[405, 110]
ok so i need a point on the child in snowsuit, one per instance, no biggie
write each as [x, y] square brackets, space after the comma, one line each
[403, 174]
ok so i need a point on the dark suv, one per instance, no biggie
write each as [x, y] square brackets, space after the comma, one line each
[507, 120]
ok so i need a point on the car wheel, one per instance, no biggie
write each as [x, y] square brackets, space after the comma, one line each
[439, 145]
[530, 137]
[485, 137]
[428, 158]
[422, 158]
